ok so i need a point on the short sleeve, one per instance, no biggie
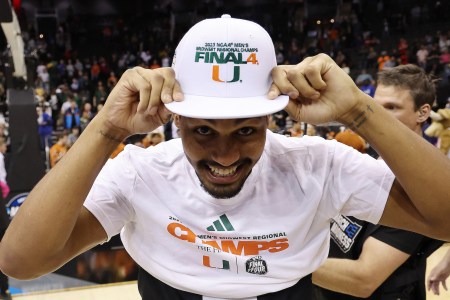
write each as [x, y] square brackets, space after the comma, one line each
[108, 197]
[358, 184]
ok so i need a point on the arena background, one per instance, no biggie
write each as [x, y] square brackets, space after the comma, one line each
[91, 30]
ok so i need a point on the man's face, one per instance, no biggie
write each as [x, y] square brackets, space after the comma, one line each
[223, 152]
[400, 103]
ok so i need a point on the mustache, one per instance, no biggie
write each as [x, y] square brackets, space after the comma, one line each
[217, 165]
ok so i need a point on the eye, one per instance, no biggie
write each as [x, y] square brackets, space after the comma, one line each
[203, 130]
[246, 131]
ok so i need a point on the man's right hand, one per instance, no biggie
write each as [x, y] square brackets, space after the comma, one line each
[319, 90]
[136, 104]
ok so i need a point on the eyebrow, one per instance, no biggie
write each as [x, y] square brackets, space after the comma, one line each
[237, 121]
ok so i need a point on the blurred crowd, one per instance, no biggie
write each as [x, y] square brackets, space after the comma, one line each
[72, 82]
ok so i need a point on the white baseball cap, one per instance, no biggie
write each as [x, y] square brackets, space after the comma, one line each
[224, 69]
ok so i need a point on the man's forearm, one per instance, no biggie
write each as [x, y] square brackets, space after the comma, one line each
[422, 171]
[47, 218]
[344, 276]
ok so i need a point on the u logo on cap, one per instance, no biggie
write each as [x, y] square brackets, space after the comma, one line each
[216, 71]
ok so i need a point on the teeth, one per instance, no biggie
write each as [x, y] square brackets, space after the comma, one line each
[223, 171]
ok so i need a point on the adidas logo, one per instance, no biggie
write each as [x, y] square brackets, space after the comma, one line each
[223, 224]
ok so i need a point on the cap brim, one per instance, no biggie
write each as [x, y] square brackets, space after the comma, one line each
[201, 107]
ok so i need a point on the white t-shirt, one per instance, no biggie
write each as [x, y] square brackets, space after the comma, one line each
[274, 232]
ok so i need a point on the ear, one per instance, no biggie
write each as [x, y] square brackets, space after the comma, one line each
[176, 120]
[423, 113]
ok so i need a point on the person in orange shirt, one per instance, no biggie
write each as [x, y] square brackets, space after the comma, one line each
[118, 149]
[296, 130]
[350, 138]
[58, 150]
[95, 71]
[382, 59]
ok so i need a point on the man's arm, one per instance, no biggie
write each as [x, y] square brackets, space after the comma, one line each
[52, 226]
[321, 92]
[361, 277]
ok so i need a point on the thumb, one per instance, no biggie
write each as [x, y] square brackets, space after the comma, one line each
[164, 114]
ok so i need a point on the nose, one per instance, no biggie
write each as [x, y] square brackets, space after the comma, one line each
[226, 152]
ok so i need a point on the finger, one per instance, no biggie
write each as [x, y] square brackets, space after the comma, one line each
[138, 83]
[168, 85]
[301, 82]
[435, 288]
[155, 94]
[274, 92]
[280, 79]
[294, 110]
[177, 92]
[164, 114]
[318, 66]
[155, 81]
[444, 284]
[437, 291]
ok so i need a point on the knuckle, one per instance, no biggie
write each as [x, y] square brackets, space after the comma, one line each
[310, 70]
[323, 55]
[157, 78]
[170, 71]
[128, 72]
[292, 75]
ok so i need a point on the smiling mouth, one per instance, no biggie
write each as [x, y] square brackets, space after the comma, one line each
[223, 172]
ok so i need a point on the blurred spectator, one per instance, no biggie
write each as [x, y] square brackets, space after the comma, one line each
[363, 76]
[345, 67]
[95, 71]
[390, 63]
[86, 115]
[371, 60]
[367, 87]
[72, 116]
[58, 150]
[45, 128]
[311, 130]
[402, 46]
[422, 55]
[382, 59]
[112, 80]
[350, 138]
[296, 129]
[73, 136]
[152, 139]
[100, 94]
[118, 149]
[155, 64]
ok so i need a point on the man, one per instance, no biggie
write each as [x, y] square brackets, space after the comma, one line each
[229, 210]
[374, 261]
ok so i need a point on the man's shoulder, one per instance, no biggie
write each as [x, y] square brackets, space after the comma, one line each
[282, 143]
[165, 153]
[314, 148]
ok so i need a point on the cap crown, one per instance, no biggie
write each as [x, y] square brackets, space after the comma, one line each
[225, 58]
